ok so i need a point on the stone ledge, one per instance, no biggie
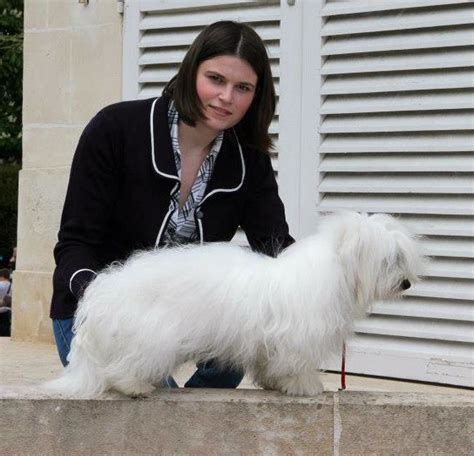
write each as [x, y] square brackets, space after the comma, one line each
[246, 422]
[373, 417]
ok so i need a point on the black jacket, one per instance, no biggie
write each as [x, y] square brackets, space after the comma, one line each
[118, 197]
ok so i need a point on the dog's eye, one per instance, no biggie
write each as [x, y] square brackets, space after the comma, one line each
[405, 285]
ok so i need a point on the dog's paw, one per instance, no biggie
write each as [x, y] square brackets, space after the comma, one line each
[266, 384]
[140, 396]
[135, 390]
[300, 386]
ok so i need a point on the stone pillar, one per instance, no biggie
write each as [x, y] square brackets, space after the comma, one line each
[72, 68]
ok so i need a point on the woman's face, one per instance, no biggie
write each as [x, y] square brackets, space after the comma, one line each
[226, 87]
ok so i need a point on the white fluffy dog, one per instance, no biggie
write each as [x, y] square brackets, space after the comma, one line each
[278, 318]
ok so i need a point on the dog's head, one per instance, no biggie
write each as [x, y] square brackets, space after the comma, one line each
[379, 255]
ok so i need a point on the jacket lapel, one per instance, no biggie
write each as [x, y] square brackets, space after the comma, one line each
[229, 169]
[161, 147]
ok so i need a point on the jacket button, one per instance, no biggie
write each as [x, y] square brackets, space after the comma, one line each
[199, 214]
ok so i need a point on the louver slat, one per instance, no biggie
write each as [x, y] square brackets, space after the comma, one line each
[396, 162]
[266, 32]
[449, 247]
[414, 101]
[416, 204]
[335, 7]
[449, 78]
[202, 18]
[457, 268]
[441, 309]
[400, 61]
[192, 6]
[418, 328]
[429, 225]
[436, 121]
[400, 41]
[396, 183]
[433, 142]
[444, 288]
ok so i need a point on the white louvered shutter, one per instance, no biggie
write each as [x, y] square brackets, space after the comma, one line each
[157, 34]
[397, 137]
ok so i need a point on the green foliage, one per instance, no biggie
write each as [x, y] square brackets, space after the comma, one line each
[11, 78]
[11, 75]
[8, 209]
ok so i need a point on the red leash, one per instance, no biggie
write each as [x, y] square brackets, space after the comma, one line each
[343, 368]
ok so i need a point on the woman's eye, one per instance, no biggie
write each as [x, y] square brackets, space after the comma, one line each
[215, 78]
[243, 88]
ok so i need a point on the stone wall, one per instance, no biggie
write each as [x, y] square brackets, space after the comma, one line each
[240, 422]
[72, 68]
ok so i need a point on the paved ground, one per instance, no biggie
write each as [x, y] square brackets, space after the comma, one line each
[24, 365]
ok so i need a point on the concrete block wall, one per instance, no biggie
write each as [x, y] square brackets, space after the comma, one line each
[72, 68]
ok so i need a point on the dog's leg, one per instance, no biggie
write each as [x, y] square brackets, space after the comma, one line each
[306, 383]
[262, 379]
[132, 387]
[302, 382]
[260, 374]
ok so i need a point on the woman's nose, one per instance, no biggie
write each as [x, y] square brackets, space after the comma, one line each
[226, 94]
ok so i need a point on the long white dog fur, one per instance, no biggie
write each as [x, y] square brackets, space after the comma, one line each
[278, 318]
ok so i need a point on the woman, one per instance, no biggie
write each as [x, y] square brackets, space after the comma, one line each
[190, 166]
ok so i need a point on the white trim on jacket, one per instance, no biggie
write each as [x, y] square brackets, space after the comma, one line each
[74, 275]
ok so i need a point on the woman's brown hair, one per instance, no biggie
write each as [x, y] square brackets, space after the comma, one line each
[228, 38]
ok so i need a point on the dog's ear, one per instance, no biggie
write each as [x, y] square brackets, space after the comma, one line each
[358, 252]
[357, 269]
[409, 255]
[350, 237]
[408, 252]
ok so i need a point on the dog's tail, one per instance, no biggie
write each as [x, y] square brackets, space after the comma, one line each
[81, 377]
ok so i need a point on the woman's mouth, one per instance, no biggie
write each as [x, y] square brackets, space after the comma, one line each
[221, 112]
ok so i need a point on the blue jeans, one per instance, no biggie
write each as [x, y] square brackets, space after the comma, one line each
[207, 374]
[63, 335]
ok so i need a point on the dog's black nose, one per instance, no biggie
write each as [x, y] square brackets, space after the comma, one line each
[406, 284]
